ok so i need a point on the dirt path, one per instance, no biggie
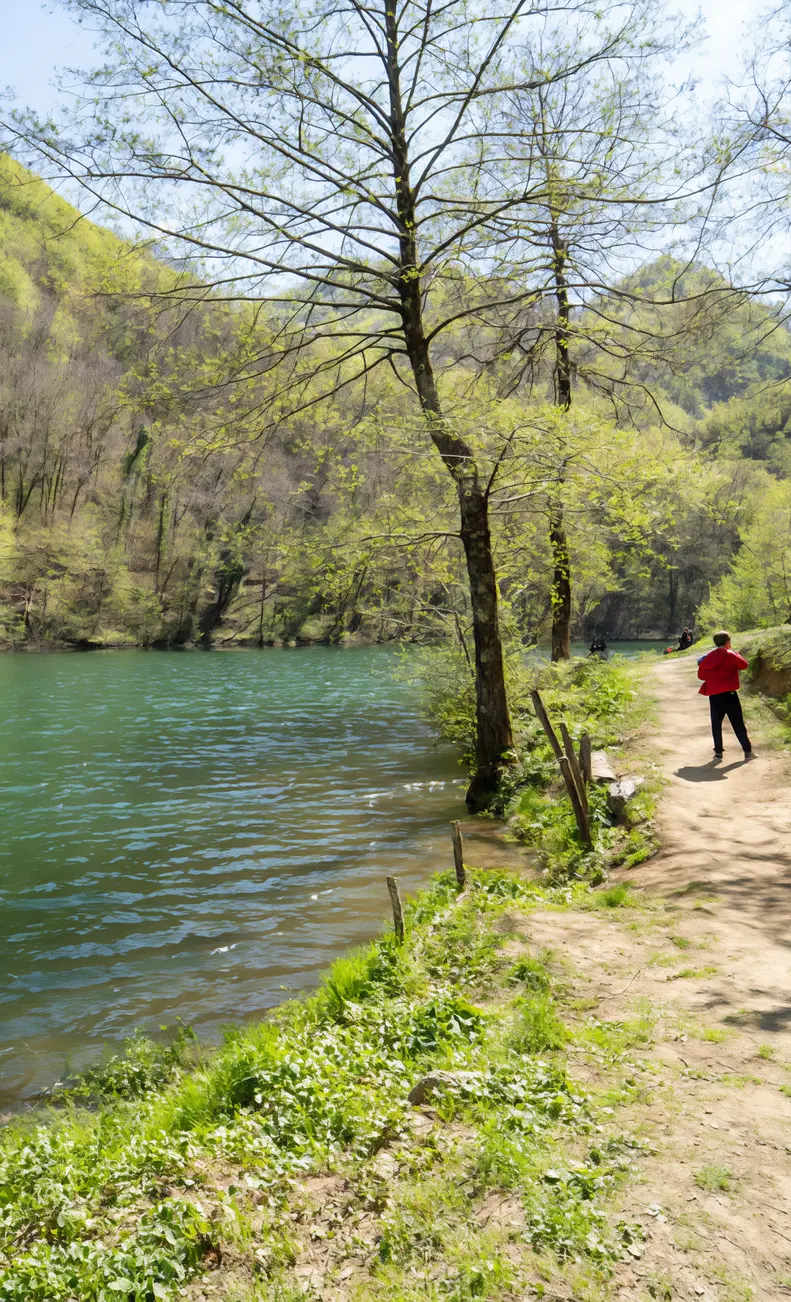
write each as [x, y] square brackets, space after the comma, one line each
[710, 969]
[726, 827]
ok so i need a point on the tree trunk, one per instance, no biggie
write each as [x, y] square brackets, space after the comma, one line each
[263, 602]
[493, 723]
[561, 584]
[672, 583]
[494, 739]
[563, 318]
[163, 501]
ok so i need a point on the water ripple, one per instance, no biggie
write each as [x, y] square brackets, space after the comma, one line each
[184, 835]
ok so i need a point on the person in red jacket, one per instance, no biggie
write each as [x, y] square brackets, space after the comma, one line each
[719, 671]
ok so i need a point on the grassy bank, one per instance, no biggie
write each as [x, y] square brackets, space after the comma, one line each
[298, 1161]
[602, 698]
[768, 679]
[296, 1145]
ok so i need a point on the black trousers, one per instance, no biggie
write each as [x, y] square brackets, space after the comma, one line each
[727, 704]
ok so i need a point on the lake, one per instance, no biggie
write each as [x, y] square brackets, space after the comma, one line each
[195, 835]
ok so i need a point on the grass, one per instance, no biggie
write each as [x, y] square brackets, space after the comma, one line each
[615, 896]
[698, 973]
[714, 1179]
[713, 1034]
[159, 1165]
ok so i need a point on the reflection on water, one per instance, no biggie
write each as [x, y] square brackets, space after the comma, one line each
[188, 834]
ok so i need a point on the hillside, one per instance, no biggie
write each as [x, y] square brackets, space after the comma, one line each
[161, 484]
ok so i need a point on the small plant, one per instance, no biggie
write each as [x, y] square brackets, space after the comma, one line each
[714, 1179]
[143, 1065]
[538, 1027]
[714, 1035]
[615, 897]
[766, 1051]
[530, 973]
[693, 972]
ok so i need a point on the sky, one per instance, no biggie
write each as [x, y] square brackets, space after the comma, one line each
[37, 39]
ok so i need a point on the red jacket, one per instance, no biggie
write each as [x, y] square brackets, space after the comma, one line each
[720, 671]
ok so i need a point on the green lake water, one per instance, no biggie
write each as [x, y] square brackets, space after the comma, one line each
[194, 835]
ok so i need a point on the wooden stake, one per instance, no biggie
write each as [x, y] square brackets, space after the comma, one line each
[585, 757]
[398, 915]
[458, 855]
[578, 800]
[580, 813]
[543, 717]
[574, 765]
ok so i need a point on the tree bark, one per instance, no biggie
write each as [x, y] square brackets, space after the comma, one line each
[263, 601]
[494, 739]
[563, 318]
[561, 582]
[672, 580]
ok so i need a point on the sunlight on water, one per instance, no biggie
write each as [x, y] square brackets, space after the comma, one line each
[186, 834]
[192, 834]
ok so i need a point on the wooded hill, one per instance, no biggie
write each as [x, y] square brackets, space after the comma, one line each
[161, 485]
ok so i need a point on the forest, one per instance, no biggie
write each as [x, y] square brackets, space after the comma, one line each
[149, 499]
[486, 348]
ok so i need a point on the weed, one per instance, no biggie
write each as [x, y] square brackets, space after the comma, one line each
[697, 973]
[615, 896]
[142, 1066]
[660, 1286]
[713, 1034]
[530, 973]
[613, 1039]
[766, 1051]
[733, 1288]
[681, 942]
[714, 1178]
[537, 1027]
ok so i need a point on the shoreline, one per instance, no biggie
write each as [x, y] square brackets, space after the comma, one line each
[542, 1090]
[350, 643]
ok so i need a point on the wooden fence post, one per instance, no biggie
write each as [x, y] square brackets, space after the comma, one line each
[543, 717]
[574, 765]
[398, 914]
[458, 855]
[580, 812]
[586, 762]
[574, 786]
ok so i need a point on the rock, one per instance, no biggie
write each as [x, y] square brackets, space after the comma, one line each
[601, 768]
[620, 793]
[385, 1166]
[437, 1079]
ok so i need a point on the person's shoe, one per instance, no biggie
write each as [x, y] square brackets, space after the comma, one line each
[748, 755]
[718, 754]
